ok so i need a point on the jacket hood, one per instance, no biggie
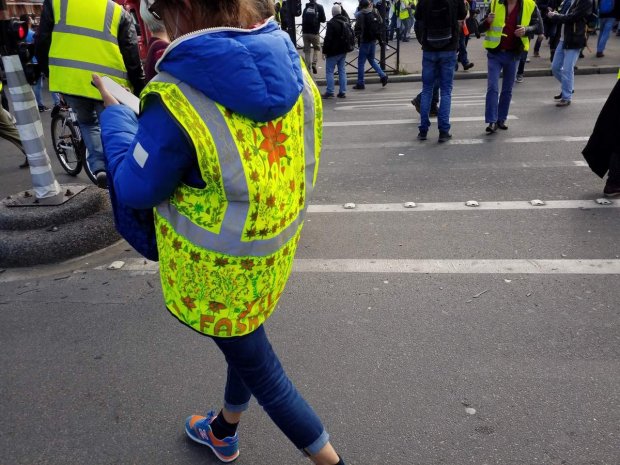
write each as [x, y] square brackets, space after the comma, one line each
[254, 72]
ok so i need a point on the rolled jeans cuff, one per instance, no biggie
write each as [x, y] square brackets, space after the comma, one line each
[236, 408]
[317, 445]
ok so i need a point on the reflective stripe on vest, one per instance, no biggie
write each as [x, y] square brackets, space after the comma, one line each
[226, 250]
[494, 35]
[84, 41]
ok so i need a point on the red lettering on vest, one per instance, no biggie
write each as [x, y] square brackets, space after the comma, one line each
[205, 321]
[225, 324]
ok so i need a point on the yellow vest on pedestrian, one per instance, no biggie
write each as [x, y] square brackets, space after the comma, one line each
[494, 35]
[404, 12]
[84, 41]
[226, 250]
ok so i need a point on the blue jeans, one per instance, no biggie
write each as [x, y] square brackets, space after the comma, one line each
[36, 88]
[88, 111]
[254, 369]
[367, 52]
[462, 53]
[497, 105]
[606, 25]
[330, 64]
[563, 68]
[437, 66]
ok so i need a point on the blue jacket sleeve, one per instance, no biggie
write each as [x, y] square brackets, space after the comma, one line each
[148, 156]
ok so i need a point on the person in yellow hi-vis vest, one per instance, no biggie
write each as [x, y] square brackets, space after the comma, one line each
[76, 39]
[405, 17]
[226, 149]
[603, 149]
[507, 26]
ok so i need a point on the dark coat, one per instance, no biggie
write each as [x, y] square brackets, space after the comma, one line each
[334, 43]
[458, 14]
[605, 138]
[575, 24]
[313, 28]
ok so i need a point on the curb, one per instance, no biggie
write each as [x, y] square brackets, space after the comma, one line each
[536, 72]
[36, 235]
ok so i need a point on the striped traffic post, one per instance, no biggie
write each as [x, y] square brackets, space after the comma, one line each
[30, 130]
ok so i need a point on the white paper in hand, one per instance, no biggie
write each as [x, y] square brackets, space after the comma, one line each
[121, 94]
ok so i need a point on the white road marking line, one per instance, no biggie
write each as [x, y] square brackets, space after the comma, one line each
[137, 266]
[460, 206]
[483, 140]
[402, 105]
[565, 266]
[338, 124]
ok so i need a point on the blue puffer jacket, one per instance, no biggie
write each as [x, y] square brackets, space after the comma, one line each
[256, 73]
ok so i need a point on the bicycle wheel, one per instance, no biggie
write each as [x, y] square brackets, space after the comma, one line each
[66, 144]
[84, 155]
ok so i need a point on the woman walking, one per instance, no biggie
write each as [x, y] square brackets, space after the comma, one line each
[226, 149]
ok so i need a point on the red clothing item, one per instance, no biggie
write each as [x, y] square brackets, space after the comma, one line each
[157, 47]
[509, 40]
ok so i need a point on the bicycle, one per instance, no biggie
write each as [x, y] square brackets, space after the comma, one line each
[68, 142]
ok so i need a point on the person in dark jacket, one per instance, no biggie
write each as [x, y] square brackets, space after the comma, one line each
[603, 149]
[548, 26]
[311, 19]
[70, 76]
[573, 38]
[335, 52]
[369, 30]
[437, 64]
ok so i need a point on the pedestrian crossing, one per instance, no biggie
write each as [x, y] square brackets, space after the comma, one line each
[351, 185]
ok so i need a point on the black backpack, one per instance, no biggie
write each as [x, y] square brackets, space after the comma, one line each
[348, 36]
[439, 23]
[373, 22]
[310, 18]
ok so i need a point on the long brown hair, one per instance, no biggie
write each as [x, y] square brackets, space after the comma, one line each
[204, 14]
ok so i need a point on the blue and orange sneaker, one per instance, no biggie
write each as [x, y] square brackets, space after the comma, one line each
[198, 428]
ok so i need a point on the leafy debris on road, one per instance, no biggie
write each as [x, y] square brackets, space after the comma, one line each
[117, 265]
[480, 293]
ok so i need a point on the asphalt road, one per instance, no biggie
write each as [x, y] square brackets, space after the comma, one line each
[395, 324]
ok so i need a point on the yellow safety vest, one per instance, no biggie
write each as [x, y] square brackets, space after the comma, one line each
[494, 35]
[226, 251]
[84, 41]
[404, 12]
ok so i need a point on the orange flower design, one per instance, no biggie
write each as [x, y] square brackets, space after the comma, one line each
[272, 144]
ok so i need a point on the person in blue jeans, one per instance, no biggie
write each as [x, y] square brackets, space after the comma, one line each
[226, 100]
[507, 27]
[335, 52]
[369, 29]
[438, 62]
[607, 12]
[573, 29]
